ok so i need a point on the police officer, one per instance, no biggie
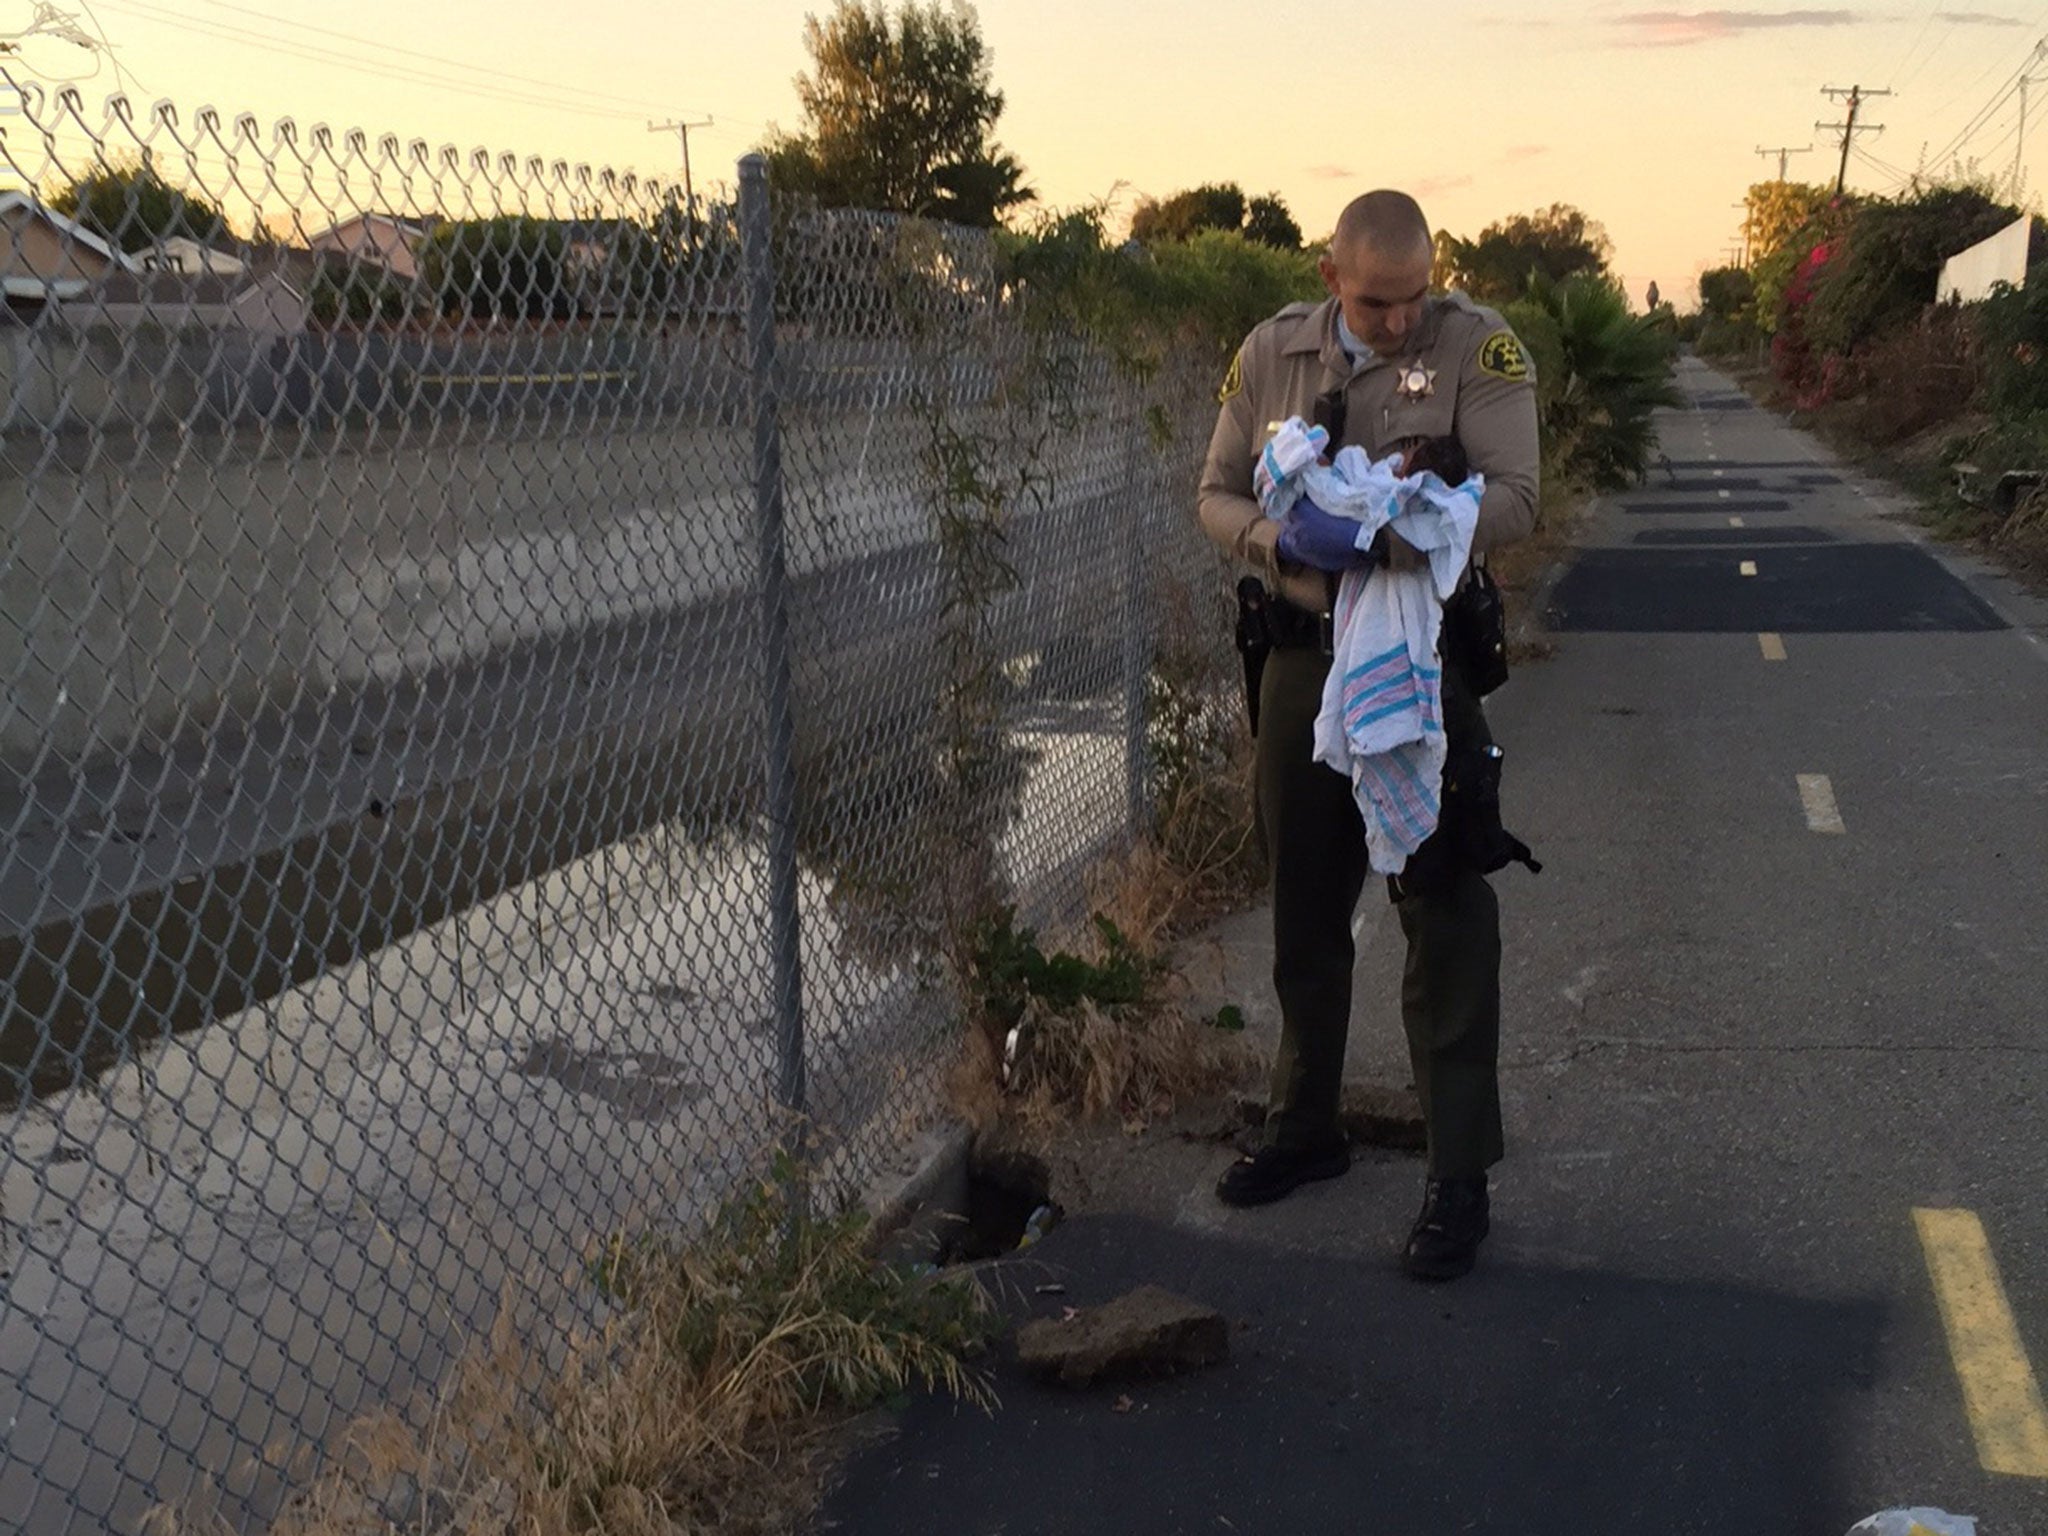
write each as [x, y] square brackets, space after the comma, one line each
[1394, 365]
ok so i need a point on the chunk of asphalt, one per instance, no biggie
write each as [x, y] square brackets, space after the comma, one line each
[1149, 1332]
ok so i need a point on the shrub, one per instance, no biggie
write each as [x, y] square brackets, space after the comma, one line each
[2012, 341]
[1207, 291]
[1716, 337]
[695, 1400]
[1919, 375]
[1884, 269]
[1794, 357]
[356, 294]
[1608, 372]
[2014, 443]
[504, 268]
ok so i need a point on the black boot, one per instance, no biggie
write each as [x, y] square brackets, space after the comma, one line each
[1445, 1241]
[1273, 1172]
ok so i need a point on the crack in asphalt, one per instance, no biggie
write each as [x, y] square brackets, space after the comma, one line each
[1669, 1048]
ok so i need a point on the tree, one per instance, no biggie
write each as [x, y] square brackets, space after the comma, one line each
[355, 293]
[1775, 211]
[1550, 245]
[1215, 205]
[899, 116]
[1443, 266]
[1884, 268]
[1601, 374]
[979, 192]
[133, 207]
[1727, 293]
[1268, 222]
[504, 268]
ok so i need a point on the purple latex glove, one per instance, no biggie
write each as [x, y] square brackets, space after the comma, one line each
[1318, 539]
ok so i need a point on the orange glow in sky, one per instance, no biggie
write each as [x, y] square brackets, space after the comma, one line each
[1647, 119]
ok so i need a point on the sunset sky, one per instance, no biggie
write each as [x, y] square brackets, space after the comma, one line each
[1646, 119]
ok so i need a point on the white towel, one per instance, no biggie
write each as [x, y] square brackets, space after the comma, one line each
[1381, 723]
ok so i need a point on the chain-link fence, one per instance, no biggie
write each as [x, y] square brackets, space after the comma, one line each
[511, 672]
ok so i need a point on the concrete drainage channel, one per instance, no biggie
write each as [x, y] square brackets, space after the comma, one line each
[968, 1204]
[957, 1202]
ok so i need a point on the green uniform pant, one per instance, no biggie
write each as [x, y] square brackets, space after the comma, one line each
[1450, 993]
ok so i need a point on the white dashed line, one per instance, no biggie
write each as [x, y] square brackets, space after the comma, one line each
[1773, 646]
[1748, 567]
[1725, 495]
[1817, 795]
[1719, 473]
[1734, 522]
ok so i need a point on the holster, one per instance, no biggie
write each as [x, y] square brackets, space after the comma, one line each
[1475, 633]
[1469, 834]
[1254, 641]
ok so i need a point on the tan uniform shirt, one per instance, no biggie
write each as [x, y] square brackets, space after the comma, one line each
[1475, 384]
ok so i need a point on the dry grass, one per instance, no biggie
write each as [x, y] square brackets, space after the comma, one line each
[1095, 1025]
[2023, 539]
[1201, 859]
[1092, 1029]
[1091, 1061]
[701, 1405]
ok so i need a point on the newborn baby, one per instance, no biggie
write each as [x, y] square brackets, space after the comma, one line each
[1445, 455]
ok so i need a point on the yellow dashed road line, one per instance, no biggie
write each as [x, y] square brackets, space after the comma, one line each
[1773, 646]
[1999, 1390]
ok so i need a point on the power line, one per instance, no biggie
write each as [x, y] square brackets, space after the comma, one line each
[1926, 21]
[319, 53]
[2019, 147]
[1894, 177]
[681, 128]
[1977, 84]
[1985, 113]
[1785, 152]
[1849, 127]
[1932, 53]
[379, 48]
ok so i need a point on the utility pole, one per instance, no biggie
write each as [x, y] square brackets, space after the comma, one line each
[681, 128]
[1849, 128]
[2019, 148]
[1784, 152]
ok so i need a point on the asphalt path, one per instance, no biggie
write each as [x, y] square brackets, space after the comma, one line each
[1770, 1252]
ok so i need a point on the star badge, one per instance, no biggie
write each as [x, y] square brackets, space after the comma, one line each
[1417, 381]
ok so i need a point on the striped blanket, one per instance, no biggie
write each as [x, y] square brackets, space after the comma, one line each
[1381, 723]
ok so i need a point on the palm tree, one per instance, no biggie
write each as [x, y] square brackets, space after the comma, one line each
[979, 191]
[1602, 372]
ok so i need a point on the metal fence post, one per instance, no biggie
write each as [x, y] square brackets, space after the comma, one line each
[784, 930]
[1137, 657]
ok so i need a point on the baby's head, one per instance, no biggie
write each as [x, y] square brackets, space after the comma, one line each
[1445, 455]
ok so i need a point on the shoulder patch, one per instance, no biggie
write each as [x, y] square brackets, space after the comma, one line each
[1502, 356]
[1233, 381]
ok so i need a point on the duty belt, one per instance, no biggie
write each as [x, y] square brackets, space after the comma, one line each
[1290, 627]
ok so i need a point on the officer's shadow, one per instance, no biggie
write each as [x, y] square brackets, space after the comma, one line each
[1529, 1399]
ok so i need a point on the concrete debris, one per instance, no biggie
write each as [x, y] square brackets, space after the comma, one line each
[1150, 1332]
